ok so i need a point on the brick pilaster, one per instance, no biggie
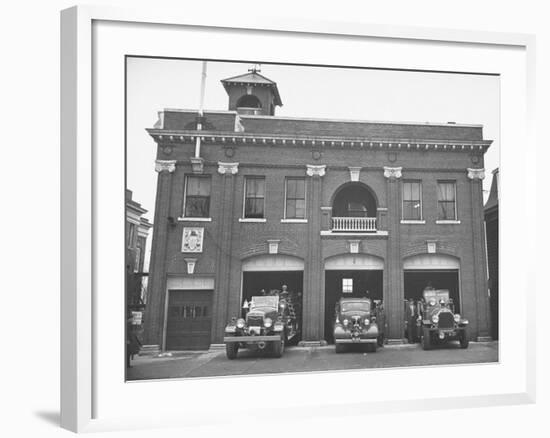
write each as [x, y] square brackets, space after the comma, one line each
[313, 295]
[393, 272]
[479, 262]
[224, 257]
[154, 317]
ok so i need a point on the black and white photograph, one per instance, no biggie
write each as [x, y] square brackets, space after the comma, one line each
[298, 218]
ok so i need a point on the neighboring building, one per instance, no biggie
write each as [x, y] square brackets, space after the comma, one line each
[491, 229]
[137, 231]
[327, 207]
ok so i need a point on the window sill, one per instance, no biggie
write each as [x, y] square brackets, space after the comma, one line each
[409, 221]
[447, 222]
[294, 221]
[252, 220]
[195, 219]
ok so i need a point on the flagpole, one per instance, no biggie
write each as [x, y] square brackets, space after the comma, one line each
[201, 107]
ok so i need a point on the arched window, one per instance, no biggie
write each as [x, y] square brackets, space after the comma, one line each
[249, 101]
[354, 200]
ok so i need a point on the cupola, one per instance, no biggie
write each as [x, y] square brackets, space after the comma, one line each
[252, 93]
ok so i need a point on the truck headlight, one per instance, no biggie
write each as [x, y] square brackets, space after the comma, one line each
[268, 322]
[346, 322]
[457, 317]
[240, 323]
[435, 319]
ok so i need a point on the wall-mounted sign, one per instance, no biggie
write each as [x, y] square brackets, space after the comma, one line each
[192, 239]
[137, 317]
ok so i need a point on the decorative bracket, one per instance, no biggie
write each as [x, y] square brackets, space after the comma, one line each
[354, 246]
[476, 173]
[273, 246]
[316, 170]
[191, 262]
[228, 168]
[392, 172]
[165, 166]
[354, 173]
[431, 246]
[197, 164]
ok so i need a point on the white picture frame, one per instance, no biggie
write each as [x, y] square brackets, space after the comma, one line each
[86, 375]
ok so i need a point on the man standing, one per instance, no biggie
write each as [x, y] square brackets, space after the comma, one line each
[411, 315]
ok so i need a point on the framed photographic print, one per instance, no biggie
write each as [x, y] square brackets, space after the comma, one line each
[306, 206]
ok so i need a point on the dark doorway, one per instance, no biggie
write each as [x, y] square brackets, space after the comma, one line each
[189, 322]
[416, 280]
[346, 283]
[254, 282]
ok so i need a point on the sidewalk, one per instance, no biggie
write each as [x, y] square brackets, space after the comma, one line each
[184, 364]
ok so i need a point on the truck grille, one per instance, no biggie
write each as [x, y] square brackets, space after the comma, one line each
[446, 320]
[255, 320]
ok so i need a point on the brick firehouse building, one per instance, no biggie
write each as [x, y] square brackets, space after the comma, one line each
[247, 201]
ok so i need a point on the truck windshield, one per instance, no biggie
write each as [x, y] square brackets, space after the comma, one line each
[271, 302]
[363, 306]
[436, 294]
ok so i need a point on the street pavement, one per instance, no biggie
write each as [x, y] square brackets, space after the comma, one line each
[303, 359]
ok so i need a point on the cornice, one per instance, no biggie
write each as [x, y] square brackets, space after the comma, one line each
[243, 138]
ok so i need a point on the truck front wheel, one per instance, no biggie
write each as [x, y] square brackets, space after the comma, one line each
[231, 349]
[464, 340]
[426, 340]
[279, 347]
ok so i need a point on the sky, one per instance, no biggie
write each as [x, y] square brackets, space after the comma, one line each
[323, 92]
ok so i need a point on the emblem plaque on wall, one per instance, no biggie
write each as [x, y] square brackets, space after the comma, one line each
[192, 239]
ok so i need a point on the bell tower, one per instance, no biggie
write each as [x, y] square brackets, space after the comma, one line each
[252, 93]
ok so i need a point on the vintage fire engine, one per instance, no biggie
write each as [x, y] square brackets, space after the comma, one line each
[269, 324]
[440, 323]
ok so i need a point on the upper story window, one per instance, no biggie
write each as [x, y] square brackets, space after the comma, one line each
[131, 235]
[137, 260]
[197, 196]
[412, 200]
[249, 101]
[446, 200]
[254, 197]
[295, 198]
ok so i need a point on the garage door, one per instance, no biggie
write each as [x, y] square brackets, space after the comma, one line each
[189, 320]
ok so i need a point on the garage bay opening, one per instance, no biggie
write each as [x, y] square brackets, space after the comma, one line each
[349, 284]
[268, 282]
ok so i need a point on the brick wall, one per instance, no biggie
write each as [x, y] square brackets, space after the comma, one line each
[227, 241]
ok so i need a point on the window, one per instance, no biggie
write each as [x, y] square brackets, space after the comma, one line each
[131, 235]
[249, 101]
[197, 196]
[347, 285]
[446, 200]
[412, 200]
[295, 200]
[254, 192]
[137, 264]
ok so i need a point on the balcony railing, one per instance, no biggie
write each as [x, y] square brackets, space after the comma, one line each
[354, 224]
